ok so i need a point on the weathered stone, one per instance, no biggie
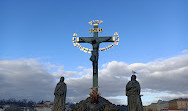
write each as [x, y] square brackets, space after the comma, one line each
[60, 96]
[103, 105]
[133, 94]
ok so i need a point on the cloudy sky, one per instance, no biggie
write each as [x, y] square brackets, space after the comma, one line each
[36, 48]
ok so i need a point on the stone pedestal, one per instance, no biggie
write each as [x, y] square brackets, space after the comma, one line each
[103, 105]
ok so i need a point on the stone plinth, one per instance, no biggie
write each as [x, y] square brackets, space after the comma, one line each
[103, 105]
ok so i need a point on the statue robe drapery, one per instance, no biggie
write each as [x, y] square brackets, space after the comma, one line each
[60, 97]
[134, 98]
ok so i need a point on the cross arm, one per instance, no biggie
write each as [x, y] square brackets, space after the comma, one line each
[106, 39]
[84, 39]
[100, 39]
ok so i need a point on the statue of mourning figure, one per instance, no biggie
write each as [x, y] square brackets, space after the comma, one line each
[133, 94]
[60, 96]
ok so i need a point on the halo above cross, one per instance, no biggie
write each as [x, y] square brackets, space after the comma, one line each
[76, 43]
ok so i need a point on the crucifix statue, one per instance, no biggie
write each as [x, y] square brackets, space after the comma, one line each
[95, 42]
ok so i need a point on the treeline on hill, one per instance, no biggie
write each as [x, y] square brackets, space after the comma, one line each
[25, 103]
[19, 103]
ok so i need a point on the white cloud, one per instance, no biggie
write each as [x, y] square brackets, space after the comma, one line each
[30, 79]
[27, 78]
[80, 67]
[185, 51]
[172, 96]
[162, 75]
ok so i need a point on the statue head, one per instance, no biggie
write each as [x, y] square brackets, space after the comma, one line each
[133, 78]
[62, 79]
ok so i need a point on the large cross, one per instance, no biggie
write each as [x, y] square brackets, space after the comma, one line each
[95, 42]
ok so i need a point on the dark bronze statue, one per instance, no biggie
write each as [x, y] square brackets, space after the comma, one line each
[60, 96]
[133, 94]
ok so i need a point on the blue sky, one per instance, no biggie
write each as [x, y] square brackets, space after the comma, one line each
[43, 29]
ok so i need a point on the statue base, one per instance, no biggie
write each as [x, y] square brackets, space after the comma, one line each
[102, 105]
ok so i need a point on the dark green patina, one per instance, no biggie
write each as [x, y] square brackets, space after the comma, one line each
[95, 41]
